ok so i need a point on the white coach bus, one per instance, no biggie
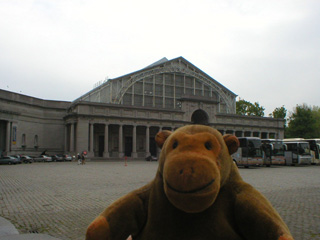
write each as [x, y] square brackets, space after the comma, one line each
[249, 153]
[274, 150]
[297, 151]
[315, 150]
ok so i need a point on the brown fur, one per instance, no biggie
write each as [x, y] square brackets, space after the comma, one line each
[197, 194]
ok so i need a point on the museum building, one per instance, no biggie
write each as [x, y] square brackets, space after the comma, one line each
[121, 116]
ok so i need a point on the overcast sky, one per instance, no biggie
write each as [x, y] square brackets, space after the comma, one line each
[263, 51]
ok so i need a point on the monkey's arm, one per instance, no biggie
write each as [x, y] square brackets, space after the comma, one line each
[256, 217]
[124, 217]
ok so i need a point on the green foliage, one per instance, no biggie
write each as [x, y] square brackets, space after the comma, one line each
[316, 115]
[303, 123]
[279, 112]
[244, 107]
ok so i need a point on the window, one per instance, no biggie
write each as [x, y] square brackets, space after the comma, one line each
[36, 141]
[23, 140]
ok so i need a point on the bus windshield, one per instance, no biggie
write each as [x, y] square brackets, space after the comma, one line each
[254, 149]
[304, 148]
[278, 149]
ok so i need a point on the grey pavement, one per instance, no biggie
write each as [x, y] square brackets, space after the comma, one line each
[9, 232]
[7, 228]
[61, 199]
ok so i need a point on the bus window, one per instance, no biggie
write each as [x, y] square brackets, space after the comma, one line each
[243, 142]
[304, 148]
[254, 149]
[292, 147]
[278, 151]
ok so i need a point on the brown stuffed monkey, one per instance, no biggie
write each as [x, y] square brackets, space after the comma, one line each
[197, 194]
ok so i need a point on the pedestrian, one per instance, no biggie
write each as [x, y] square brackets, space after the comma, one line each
[83, 160]
[79, 158]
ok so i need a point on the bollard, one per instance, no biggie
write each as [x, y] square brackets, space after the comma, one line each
[125, 161]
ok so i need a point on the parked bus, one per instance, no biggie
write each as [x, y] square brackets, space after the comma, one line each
[273, 152]
[249, 153]
[297, 152]
[315, 150]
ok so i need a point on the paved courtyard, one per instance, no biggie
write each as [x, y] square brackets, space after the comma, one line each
[61, 199]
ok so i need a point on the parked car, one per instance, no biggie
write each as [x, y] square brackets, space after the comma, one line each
[17, 157]
[151, 158]
[9, 160]
[43, 158]
[26, 159]
[67, 157]
[58, 158]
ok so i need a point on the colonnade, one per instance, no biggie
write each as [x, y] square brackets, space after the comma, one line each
[108, 132]
[121, 148]
[74, 144]
[113, 134]
[246, 133]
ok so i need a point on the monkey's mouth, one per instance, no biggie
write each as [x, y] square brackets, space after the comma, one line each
[193, 190]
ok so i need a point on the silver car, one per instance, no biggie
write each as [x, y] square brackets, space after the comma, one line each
[43, 158]
[26, 159]
[67, 157]
[9, 160]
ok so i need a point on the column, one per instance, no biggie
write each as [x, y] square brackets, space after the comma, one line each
[143, 92]
[134, 142]
[174, 91]
[121, 154]
[72, 138]
[106, 141]
[82, 137]
[147, 141]
[8, 138]
[163, 91]
[159, 149]
[91, 127]
[154, 91]
[280, 134]
[65, 138]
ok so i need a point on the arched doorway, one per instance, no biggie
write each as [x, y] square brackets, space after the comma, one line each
[200, 117]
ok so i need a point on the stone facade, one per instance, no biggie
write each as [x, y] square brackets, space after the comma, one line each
[121, 117]
[30, 125]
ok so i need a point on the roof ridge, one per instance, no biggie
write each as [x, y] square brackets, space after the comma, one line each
[162, 60]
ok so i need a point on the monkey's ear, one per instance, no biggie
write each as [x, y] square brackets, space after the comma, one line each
[232, 143]
[161, 137]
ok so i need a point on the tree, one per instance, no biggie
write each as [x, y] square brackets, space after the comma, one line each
[244, 107]
[279, 112]
[316, 115]
[302, 123]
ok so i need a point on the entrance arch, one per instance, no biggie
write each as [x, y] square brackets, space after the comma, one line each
[200, 117]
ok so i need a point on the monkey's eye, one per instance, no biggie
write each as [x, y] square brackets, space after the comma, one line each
[208, 145]
[175, 145]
